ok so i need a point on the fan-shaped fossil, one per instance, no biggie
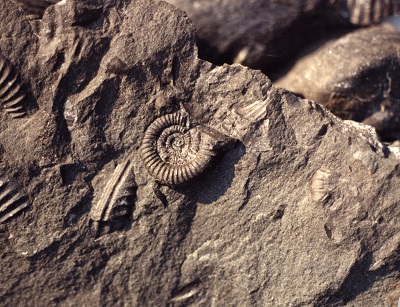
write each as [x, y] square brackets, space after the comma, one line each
[174, 153]
[35, 8]
[12, 199]
[321, 186]
[116, 200]
[118, 195]
[12, 92]
[255, 111]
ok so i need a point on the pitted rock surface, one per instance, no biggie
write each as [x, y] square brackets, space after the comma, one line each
[300, 210]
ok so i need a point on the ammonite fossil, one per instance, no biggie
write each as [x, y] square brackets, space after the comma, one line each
[12, 199]
[173, 152]
[12, 92]
[35, 8]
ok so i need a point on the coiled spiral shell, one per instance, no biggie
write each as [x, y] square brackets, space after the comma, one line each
[174, 153]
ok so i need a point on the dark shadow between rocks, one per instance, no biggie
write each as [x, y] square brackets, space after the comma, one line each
[121, 224]
[217, 179]
[209, 53]
[32, 105]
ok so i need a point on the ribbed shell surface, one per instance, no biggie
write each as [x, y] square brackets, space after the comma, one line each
[12, 92]
[174, 153]
[12, 199]
[118, 194]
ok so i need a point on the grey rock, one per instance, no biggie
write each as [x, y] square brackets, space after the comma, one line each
[300, 210]
[266, 34]
[355, 76]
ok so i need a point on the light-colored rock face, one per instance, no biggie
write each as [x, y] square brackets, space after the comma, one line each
[266, 34]
[258, 34]
[355, 76]
[296, 208]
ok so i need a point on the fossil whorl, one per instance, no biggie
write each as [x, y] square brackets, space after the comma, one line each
[12, 92]
[173, 152]
[35, 8]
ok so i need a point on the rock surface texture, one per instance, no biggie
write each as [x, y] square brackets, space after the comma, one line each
[294, 207]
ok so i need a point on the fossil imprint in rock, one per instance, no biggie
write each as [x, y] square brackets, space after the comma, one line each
[12, 92]
[174, 152]
[118, 194]
[117, 198]
[12, 199]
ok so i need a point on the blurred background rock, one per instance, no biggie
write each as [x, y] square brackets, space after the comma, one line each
[306, 46]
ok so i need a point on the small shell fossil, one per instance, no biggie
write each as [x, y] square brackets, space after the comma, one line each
[35, 7]
[118, 195]
[12, 199]
[320, 186]
[173, 152]
[255, 111]
[12, 93]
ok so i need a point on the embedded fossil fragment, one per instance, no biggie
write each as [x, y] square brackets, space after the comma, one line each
[12, 92]
[321, 186]
[35, 8]
[118, 195]
[174, 153]
[12, 199]
[255, 111]
[356, 77]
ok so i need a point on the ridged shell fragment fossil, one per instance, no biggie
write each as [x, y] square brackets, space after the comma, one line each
[12, 199]
[12, 92]
[118, 196]
[174, 152]
[35, 8]
[321, 186]
[255, 111]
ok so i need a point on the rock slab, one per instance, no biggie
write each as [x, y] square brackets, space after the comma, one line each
[296, 207]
